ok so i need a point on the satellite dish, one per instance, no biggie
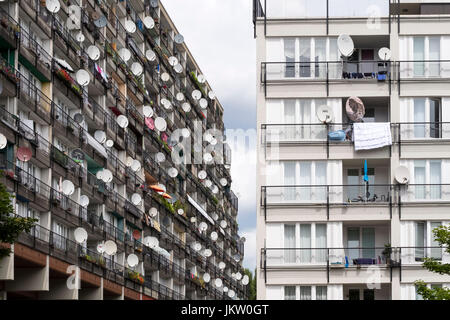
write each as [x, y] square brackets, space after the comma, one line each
[107, 176]
[130, 26]
[201, 78]
[84, 201]
[215, 216]
[67, 187]
[207, 157]
[345, 45]
[80, 37]
[385, 54]
[166, 103]
[211, 95]
[186, 107]
[325, 114]
[24, 154]
[202, 174]
[214, 236]
[82, 77]
[125, 54]
[154, 3]
[129, 161]
[203, 103]
[222, 265]
[137, 69]
[135, 166]
[238, 275]
[110, 247]
[196, 94]
[223, 182]
[99, 175]
[245, 280]
[150, 55]
[101, 247]
[122, 121]
[207, 253]
[173, 61]
[93, 52]
[237, 258]
[208, 183]
[402, 175]
[80, 235]
[193, 219]
[149, 23]
[179, 39]
[165, 77]
[178, 68]
[215, 189]
[206, 277]
[109, 143]
[197, 246]
[100, 136]
[355, 109]
[218, 282]
[132, 260]
[153, 212]
[203, 226]
[208, 137]
[185, 133]
[148, 111]
[136, 199]
[233, 275]
[100, 22]
[172, 172]
[180, 96]
[180, 211]
[151, 242]
[160, 124]
[225, 289]
[231, 293]
[53, 6]
[160, 157]
[3, 141]
[78, 117]
[223, 224]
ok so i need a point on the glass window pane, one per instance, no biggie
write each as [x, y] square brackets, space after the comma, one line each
[419, 56]
[305, 243]
[420, 241]
[305, 180]
[305, 57]
[289, 293]
[435, 179]
[436, 251]
[320, 57]
[419, 117]
[419, 179]
[435, 118]
[289, 180]
[353, 242]
[289, 243]
[435, 53]
[321, 293]
[289, 53]
[305, 293]
[321, 243]
[368, 243]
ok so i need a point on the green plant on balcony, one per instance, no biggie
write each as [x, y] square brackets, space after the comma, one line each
[197, 83]
[135, 276]
[180, 205]
[214, 199]
[8, 71]
[65, 77]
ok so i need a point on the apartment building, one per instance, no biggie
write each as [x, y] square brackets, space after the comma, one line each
[333, 222]
[101, 144]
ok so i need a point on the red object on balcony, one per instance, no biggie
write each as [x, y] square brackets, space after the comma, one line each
[165, 195]
[150, 123]
[136, 234]
[157, 188]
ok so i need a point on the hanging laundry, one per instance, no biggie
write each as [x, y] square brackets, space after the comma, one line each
[150, 123]
[101, 72]
[371, 135]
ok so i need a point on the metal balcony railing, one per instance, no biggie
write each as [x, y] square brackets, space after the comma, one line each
[42, 56]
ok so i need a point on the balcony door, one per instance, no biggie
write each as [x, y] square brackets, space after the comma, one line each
[356, 188]
[360, 243]
[426, 56]
[427, 118]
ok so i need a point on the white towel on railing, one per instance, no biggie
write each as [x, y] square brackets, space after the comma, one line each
[371, 135]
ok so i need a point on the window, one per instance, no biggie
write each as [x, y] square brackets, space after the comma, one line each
[419, 56]
[289, 53]
[436, 250]
[353, 294]
[321, 293]
[361, 243]
[289, 243]
[321, 243]
[427, 179]
[305, 57]
[424, 231]
[289, 293]
[305, 293]
[426, 55]
[420, 240]
[305, 243]
[427, 118]
[356, 186]
[309, 179]
[369, 294]
[59, 235]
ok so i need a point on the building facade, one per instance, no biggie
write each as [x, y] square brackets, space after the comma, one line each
[327, 227]
[102, 149]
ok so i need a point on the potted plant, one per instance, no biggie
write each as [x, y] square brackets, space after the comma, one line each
[387, 253]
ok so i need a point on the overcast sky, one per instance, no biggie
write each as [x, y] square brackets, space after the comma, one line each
[219, 33]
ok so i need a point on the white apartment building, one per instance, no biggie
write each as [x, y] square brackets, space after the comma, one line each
[321, 229]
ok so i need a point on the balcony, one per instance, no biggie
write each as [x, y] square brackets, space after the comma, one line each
[66, 85]
[65, 127]
[65, 208]
[67, 168]
[9, 30]
[39, 14]
[35, 101]
[35, 57]
[65, 45]
[9, 78]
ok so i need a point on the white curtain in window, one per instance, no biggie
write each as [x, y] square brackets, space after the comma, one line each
[321, 293]
[289, 180]
[434, 68]
[289, 120]
[419, 118]
[321, 181]
[419, 179]
[305, 293]
[321, 243]
[305, 181]
[435, 179]
[419, 56]
[289, 243]
[305, 243]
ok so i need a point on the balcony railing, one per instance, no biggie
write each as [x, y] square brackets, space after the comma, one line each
[425, 192]
[42, 56]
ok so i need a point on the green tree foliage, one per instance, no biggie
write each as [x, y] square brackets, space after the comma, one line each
[10, 226]
[251, 285]
[442, 236]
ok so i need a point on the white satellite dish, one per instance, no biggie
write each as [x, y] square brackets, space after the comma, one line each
[129, 161]
[245, 280]
[53, 6]
[238, 276]
[202, 174]
[208, 183]
[78, 117]
[178, 68]
[206, 277]
[215, 189]
[100, 136]
[3, 141]
[160, 157]
[107, 176]
[150, 55]
[218, 282]
[207, 157]
[153, 212]
[160, 124]
[186, 107]
[137, 69]
[223, 224]
[201, 78]
[154, 3]
[148, 22]
[180, 96]
[147, 111]
[402, 175]
[215, 216]
[225, 289]
[237, 258]
[93, 52]
[193, 219]
[214, 236]
[153, 242]
[233, 275]
[180, 211]
[173, 61]
[207, 253]
[82, 77]
[136, 199]
[231, 293]
[110, 247]
[125, 54]
[109, 143]
[345, 45]
[385, 54]
[223, 182]
[196, 94]
[211, 95]
[165, 77]
[132, 260]
[203, 226]
[101, 247]
[203, 103]
[213, 141]
[80, 37]
[197, 246]
[172, 172]
[84, 201]
[80, 235]
[122, 121]
[99, 175]
[135, 165]
[130, 26]
[179, 39]
[166, 103]
[325, 114]
[222, 265]
[67, 187]
[208, 137]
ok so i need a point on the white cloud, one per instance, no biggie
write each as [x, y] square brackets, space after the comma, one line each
[250, 249]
